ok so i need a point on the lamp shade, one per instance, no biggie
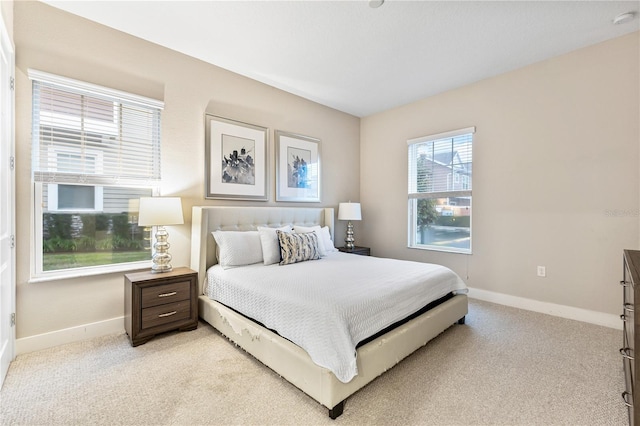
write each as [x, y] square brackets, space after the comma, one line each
[160, 211]
[349, 211]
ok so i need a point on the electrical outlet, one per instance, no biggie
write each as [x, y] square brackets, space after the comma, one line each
[542, 271]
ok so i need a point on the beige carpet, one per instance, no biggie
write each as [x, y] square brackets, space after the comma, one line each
[505, 366]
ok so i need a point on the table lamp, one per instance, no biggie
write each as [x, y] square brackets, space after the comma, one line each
[349, 211]
[160, 211]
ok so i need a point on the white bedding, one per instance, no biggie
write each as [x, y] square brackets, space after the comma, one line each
[328, 306]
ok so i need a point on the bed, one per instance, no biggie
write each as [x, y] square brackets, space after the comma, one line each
[325, 384]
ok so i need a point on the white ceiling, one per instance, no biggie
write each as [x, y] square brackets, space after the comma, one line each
[361, 60]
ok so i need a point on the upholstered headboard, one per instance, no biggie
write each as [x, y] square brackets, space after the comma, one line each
[206, 219]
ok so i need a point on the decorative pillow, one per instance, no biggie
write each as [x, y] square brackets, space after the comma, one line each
[270, 243]
[306, 229]
[238, 248]
[325, 236]
[298, 247]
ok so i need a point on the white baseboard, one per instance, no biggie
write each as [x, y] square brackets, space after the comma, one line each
[578, 314]
[69, 335]
[116, 325]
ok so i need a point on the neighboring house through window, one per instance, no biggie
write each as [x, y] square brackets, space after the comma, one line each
[439, 193]
[62, 197]
[96, 151]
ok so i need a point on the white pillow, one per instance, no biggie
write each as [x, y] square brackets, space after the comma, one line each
[238, 248]
[270, 243]
[306, 229]
[325, 236]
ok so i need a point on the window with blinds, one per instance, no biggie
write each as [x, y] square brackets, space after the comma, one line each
[95, 152]
[440, 191]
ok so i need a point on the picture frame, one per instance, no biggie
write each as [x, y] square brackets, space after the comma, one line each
[298, 168]
[236, 160]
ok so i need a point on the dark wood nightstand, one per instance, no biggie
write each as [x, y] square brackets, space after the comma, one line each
[155, 303]
[363, 251]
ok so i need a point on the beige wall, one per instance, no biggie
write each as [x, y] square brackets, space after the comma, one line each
[556, 179]
[556, 176]
[56, 42]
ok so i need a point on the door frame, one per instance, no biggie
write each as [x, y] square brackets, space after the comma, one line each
[7, 153]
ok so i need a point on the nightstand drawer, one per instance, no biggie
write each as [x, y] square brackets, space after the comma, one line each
[166, 293]
[164, 314]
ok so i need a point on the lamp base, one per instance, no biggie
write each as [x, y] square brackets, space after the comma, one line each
[161, 258]
[161, 269]
[349, 241]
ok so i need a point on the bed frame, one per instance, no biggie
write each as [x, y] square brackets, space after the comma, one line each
[285, 358]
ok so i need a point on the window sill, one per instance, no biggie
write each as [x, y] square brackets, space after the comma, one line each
[67, 274]
[441, 249]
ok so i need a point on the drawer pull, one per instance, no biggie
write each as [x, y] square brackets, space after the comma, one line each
[625, 394]
[623, 283]
[625, 353]
[623, 317]
[628, 307]
[173, 293]
[168, 314]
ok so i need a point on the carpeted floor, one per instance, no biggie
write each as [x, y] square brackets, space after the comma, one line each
[504, 367]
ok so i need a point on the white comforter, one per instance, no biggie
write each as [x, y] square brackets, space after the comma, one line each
[328, 306]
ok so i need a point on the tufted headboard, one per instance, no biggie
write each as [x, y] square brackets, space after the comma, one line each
[206, 219]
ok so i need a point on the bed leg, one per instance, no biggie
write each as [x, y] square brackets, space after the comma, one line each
[336, 411]
[461, 320]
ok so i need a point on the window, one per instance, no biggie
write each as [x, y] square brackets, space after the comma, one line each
[74, 197]
[95, 152]
[439, 194]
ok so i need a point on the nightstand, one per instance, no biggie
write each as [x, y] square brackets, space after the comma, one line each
[155, 303]
[363, 251]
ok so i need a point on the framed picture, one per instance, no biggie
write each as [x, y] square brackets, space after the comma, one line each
[297, 168]
[236, 160]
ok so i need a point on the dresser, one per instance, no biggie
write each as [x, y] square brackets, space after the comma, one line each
[159, 302]
[630, 299]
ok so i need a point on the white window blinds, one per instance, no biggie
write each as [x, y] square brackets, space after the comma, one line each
[92, 135]
[441, 165]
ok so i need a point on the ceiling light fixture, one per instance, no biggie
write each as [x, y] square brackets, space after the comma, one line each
[624, 18]
[374, 4]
